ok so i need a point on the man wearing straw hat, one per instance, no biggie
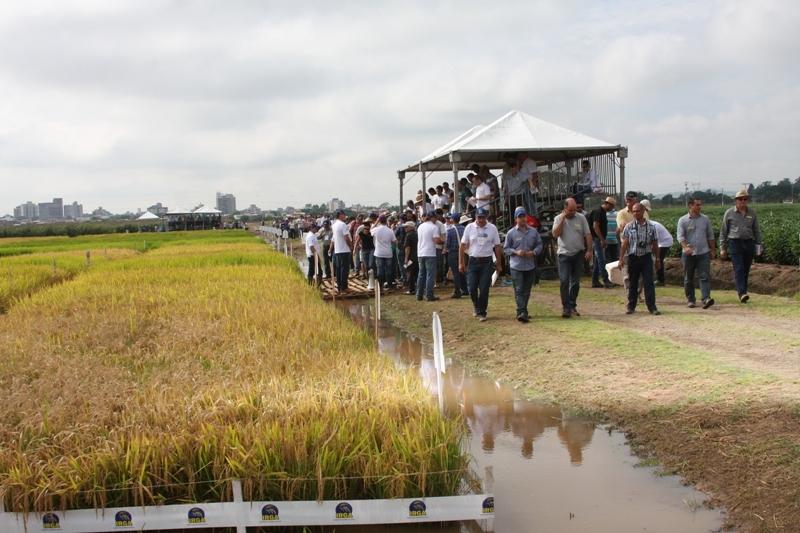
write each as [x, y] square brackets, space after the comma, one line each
[598, 223]
[741, 237]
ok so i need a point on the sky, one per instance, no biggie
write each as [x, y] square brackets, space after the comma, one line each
[127, 103]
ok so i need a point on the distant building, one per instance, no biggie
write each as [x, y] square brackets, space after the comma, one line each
[73, 211]
[289, 210]
[27, 211]
[253, 210]
[52, 210]
[101, 213]
[158, 209]
[335, 204]
[226, 203]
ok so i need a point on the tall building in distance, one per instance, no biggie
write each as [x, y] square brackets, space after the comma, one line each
[27, 211]
[158, 209]
[73, 211]
[226, 203]
[335, 204]
[52, 210]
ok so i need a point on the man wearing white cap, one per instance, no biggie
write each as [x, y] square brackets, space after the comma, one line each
[479, 241]
[522, 245]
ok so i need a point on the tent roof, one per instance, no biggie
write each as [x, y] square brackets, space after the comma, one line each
[203, 210]
[147, 215]
[514, 132]
[179, 211]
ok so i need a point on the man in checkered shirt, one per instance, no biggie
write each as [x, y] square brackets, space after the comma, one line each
[639, 247]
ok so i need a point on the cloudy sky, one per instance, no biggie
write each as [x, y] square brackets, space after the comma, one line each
[123, 104]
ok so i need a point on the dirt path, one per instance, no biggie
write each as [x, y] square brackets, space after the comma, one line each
[713, 395]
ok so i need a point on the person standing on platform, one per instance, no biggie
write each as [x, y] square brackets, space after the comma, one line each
[574, 247]
[523, 244]
[342, 250]
[741, 237]
[698, 249]
[479, 241]
[639, 246]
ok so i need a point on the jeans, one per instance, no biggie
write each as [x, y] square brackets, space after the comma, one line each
[341, 266]
[459, 279]
[385, 271]
[412, 271]
[441, 266]
[368, 260]
[599, 266]
[312, 264]
[662, 253]
[570, 268]
[742, 253]
[479, 279]
[641, 266]
[523, 281]
[426, 277]
[700, 264]
[612, 252]
[326, 248]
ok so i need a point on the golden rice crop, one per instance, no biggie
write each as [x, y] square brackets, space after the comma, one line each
[158, 378]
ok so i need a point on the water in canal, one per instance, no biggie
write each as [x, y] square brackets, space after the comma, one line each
[552, 472]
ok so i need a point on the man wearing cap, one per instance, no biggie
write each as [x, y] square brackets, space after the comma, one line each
[480, 241]
[341, 249]
[698, 248]
[522, 245]
[639, 246]
[574, 247]
[598, 222]
[451, 248]
[312, 247]
[383, 238]
[428, 235]
[741, 237]
[410, 259]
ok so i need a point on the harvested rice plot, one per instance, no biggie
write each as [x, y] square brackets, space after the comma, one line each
[160, 377]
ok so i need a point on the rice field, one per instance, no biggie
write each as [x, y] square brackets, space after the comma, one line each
[159, 376]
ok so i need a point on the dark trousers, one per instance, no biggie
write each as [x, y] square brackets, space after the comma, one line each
[662, 253]
[612, 252]
[412, 271]
[523, 281]
[570, 268]
[441, 266]
[459, 279]
[426, 277]
[641, 267]
[312, 268]
[701, 265]
[326, 248]
[479, 279]
[341, 265]
[599, 265]
[385, 271]
[742, 253]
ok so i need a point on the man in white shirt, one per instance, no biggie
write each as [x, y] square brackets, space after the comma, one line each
[483, 193]
[441, 260]
[312, 247]
[342, 248]
[480, 241]
[589, 182]
[383, 238]
[428, 235]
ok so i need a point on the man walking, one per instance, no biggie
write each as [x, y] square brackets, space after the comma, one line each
[342, 250]
[639, 246]
[741, 237]
[698, 248]
[428, 236]
[574, 247]
[665, 242]
[599, 227]
[522, 245]
[625, 217]
[410, 259]
[452, 246]
[383, 238]
[479, 241]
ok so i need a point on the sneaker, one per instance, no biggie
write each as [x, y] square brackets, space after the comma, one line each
[524, 319]
[566, 313]
[409, 292]
[708, 302]
[419, 298]
[482, 318]
[432, 299]
[597, 285]
[629, 311]
[474, 314]
[655, 312]
[691, 305]
[455, 296]
[744, 298]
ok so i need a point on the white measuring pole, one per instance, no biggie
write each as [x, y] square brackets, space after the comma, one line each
[378, 301]
[438, 358]
[236, 485]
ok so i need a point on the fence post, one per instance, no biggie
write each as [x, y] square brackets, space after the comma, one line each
[438, 358]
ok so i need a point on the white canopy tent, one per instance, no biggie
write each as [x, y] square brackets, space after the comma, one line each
[516, 131]
[147, 215]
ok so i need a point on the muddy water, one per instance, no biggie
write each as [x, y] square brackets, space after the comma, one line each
[552, 472]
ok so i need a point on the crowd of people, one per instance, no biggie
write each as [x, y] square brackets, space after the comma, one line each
[418, 250]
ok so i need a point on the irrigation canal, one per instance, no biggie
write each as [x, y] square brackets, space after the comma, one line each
[552, 471]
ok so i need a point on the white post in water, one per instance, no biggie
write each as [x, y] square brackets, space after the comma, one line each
[377, 301]
[438, 358]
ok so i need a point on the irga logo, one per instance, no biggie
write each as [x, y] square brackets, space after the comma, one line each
[488, 505]
[344, 511]
[123, 519]
[197, 516]
[50, 521]
[417, 509]
[269, 513]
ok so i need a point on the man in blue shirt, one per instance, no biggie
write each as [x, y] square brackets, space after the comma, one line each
[522, 245]
[451, 249]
